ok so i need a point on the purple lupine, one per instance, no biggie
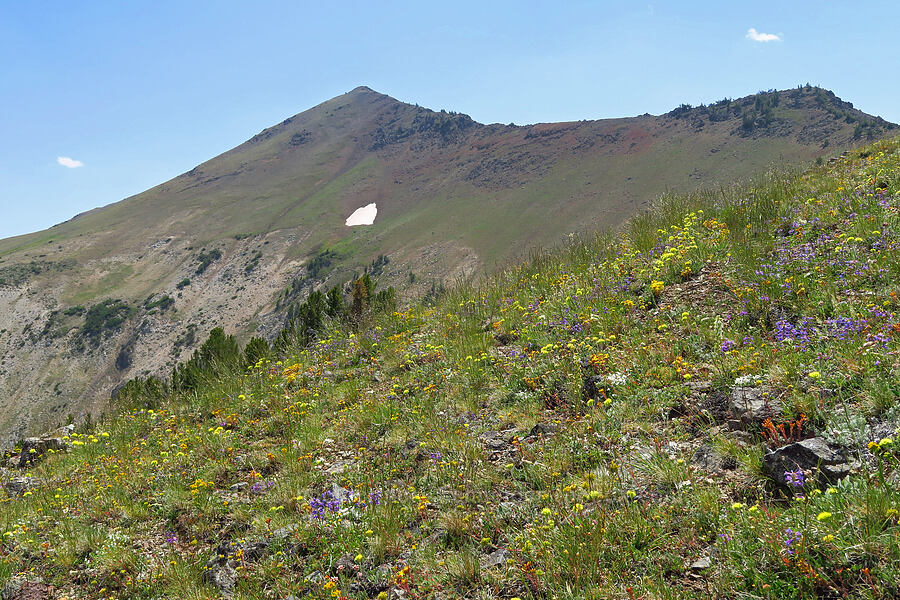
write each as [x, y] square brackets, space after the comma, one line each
[799, 333]
[795, 479]
[325, 503]
[791, 537]
[261, 487]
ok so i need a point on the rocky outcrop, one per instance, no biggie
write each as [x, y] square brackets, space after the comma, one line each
[221, 570]
[17, 486]
[24, 589]
[751, 406]
[34, 448]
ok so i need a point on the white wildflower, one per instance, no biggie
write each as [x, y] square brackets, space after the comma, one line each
[617, 378]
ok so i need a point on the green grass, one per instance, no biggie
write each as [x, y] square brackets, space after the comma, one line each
[790, 280]
[113, 278]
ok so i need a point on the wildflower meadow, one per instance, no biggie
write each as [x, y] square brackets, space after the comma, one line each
[568, 428]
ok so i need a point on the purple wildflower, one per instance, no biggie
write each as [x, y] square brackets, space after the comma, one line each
[261, 487]
[795, 479]
[791, 537]
[325, 503]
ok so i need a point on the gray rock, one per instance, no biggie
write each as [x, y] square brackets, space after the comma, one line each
[315, 577]
[717, 405]
[434, 537]
[61, 431]
[497, 558]
[707, 459]
[701, 564]
[751, 405]
[494, 440]
[19, 485]
[34, 448]
[239, 486]
[23, 589]
[813, 456]
[253, 551]
[221, 576]
[881, 430]
[642, 451]
[285, 532]
[344, 564]
[220, 571]
[508, 508]
[742, 438]
[541, 429]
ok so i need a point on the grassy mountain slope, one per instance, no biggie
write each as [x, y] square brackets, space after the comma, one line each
[455, 198]
[564, 430]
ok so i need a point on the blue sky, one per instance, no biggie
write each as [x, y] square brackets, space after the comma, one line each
[134, 93]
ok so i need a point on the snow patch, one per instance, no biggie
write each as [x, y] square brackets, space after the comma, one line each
[362, 216]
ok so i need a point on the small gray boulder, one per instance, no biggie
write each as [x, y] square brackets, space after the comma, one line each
[813, 456]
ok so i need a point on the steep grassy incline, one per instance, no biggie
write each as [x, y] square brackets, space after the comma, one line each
[702, 406]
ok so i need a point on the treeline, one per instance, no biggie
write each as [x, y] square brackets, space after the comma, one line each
[755, 111]
[759, 111]
[307, 320]
[355, 307]
[763, 112]
[317, 265]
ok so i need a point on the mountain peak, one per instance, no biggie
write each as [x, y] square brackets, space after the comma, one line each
[364, 91]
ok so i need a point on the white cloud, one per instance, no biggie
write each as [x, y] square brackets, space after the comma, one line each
[757, 36]
[69, 162]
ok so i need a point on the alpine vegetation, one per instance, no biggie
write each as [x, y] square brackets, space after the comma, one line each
[703, 404]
